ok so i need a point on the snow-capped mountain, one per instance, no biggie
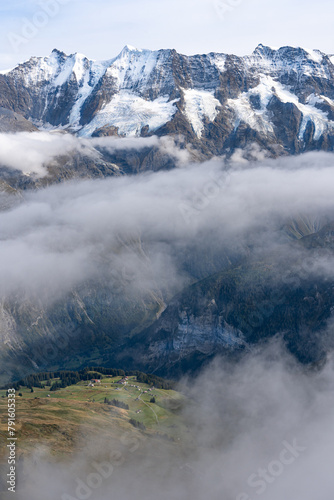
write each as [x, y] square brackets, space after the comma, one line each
[282, 99]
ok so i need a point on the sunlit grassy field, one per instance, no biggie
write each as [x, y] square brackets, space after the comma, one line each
[65, 419]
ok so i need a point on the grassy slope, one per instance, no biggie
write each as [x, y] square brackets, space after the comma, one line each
[69, 417]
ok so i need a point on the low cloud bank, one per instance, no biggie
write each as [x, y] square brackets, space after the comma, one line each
[32, 152]
[148, 225]
[262, 429]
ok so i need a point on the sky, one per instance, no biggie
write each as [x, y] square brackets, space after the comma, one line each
[100, 29]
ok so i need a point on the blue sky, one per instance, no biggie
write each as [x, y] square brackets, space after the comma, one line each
[100, 28]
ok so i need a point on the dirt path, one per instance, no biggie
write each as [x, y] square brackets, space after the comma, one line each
[150, 407]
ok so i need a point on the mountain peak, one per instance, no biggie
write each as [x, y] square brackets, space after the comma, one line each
[264, 49]
[58, 52]
[146, 89]
[289, 52]
[131, 48]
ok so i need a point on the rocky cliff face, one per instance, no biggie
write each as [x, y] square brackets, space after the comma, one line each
[13, 122]
[88, 324]
[233, 312]
[281, 99]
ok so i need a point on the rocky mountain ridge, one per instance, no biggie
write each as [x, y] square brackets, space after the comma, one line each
[209, 105]
[281, 99]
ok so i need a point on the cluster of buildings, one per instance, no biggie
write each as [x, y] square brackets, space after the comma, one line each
[93, 382]
[123, 381]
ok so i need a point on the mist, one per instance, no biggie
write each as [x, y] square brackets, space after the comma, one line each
[32, 152]
[259, 429]
[143, 227]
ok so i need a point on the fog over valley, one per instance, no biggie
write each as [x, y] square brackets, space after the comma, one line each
[166, 259]
[262, 428]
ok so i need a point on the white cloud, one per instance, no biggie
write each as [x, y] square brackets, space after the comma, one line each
[263, 428]
[52, 239]
[31, 153]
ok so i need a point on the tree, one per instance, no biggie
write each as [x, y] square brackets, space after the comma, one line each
[152, 400]
[137, 424]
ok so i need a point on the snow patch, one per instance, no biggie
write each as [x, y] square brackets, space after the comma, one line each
[80, 66]
[65, 74]
[130, 113]
[200, 104]
[258, 119]
[89, 79]
[219, 61]
[41, 69]
[309, 111]
[132, 68]
[131, 48]
[314, 99]
[315, 55]
[305, 61]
